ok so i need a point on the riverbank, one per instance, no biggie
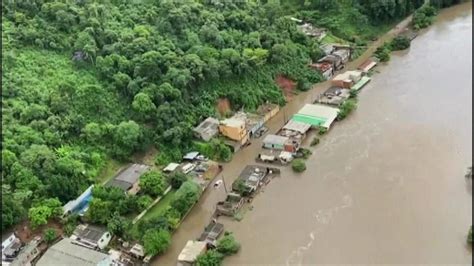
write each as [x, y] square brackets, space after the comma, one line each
[387, 185]
[197, 218]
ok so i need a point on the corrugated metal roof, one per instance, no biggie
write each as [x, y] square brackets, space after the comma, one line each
[275, 139]
[297, 126]
[125, 179]
[66, 253]
[192, 250]
[316, 115]
[359, 85]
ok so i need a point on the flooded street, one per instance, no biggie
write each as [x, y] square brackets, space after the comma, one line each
[384, 186]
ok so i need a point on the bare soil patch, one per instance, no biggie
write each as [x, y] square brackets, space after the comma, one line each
[287, 85]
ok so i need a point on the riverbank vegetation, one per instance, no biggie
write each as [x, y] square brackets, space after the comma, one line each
[315, 141]
[298, 165]
[226, 246]
[346, 108]
[85, 83]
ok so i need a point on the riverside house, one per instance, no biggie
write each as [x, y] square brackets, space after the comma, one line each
[316, 115]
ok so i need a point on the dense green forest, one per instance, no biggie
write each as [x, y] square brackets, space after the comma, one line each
[88, 81]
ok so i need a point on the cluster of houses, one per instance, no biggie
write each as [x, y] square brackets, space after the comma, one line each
[197, 167]
[84, 247]
[250, 180]
[343, 83]
[335, 58]
[284, 145]
[237, 129]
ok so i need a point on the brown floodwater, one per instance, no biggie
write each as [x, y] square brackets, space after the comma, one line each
[384, 186]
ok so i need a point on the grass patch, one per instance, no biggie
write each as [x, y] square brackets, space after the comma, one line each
[160, 206]
[330, 38]
[109, 170]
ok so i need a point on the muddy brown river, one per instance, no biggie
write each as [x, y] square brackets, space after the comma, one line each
[384, 186]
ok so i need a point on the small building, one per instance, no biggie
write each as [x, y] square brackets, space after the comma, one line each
[171, 167]
[231, 205]
[334, 60]
[268, 110]
[334, 96]
[296, 126]
[127, 180]
[361, 83]
[367, 65]
[234, 128]
[28, 253]
[191, 156]
[91, 236]
[207, 129]
[80, 204]
[327, 48]
[275, 142]
[251, 177]
[190, 252]
[316, 115]
[137, 251]
[11, 246]
[66, 253]
[343, 53]
[346, 79]
[325, 68]
[312, 31]
[212, 231]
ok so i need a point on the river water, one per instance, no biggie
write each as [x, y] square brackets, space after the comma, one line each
[384, 186]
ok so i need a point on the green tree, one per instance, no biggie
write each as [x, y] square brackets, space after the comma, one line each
[42, 211]
[177, 179]
[227, 245]
[156, 241]
[118, 225]
[298, 165]
[143, 105]
[399, 43]
[144, 201]
[153, 183]
[346, 108]
[127, 138]
[210, 258]
[186, 196]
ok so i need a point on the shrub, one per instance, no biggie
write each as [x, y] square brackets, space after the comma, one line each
[210, 258]
[215, 149]
[143, 202]
[298, 165]
[469, 236]
[315, 141]
[399, 43]
[423, 17]
[177, 179]
[322, 130]
[353, 94]
[383, 53]
[173, 217]
[186, 196]
[156, 241]
[117, 225]
[346, 108]
[49, 235]
[228, 245]
[306, 153]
